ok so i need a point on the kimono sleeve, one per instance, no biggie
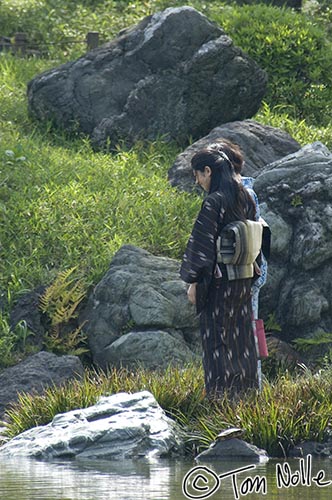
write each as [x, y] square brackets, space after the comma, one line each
[200, 255]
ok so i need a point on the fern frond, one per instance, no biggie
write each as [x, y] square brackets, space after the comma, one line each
[319, 339]
[60, 302]
[57, 289]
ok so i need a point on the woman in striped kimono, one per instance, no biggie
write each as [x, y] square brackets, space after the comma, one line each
[229, 352]
[235, 155]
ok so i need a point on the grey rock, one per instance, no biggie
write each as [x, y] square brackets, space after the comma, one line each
[282, 232]
[175, 74]
[27, 309]
[35, 374]
[283, 353]
[296, 197]
[260, 144]
[306, 302]
[152, 349]
[313, 448]
[269, 295]
[232, 449]
[139, 293]
[118, 427]
[148, 307]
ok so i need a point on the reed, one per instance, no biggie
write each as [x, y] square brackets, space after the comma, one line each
[289, 410]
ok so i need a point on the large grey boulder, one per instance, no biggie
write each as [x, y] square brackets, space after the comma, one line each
[175, 74]
[296, 200]
[260, 145]
[118, 427]
[139, 312]
[36, 373]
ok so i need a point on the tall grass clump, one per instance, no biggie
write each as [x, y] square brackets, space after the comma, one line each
[178, 390]
[286, 412]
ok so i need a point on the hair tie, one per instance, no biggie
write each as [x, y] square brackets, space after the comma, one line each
[224, 156]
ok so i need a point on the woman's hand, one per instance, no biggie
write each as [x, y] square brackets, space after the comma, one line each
[191, 292]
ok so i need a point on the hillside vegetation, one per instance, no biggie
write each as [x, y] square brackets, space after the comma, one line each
[64, 206]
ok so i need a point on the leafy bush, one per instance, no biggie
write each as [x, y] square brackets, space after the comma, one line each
[293, 50]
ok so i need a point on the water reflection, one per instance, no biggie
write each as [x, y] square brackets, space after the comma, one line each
[31, 480]
[25, 479]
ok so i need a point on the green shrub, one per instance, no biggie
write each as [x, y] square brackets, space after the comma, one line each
[293, 50]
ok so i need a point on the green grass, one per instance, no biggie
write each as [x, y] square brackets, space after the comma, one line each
[301, 130]
[63, 204]
[289, 410]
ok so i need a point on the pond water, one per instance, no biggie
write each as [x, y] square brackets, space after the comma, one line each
[164, 480]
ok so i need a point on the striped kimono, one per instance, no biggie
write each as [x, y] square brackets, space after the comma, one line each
[229, 352]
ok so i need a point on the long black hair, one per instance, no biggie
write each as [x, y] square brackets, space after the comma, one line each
[224, 180]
